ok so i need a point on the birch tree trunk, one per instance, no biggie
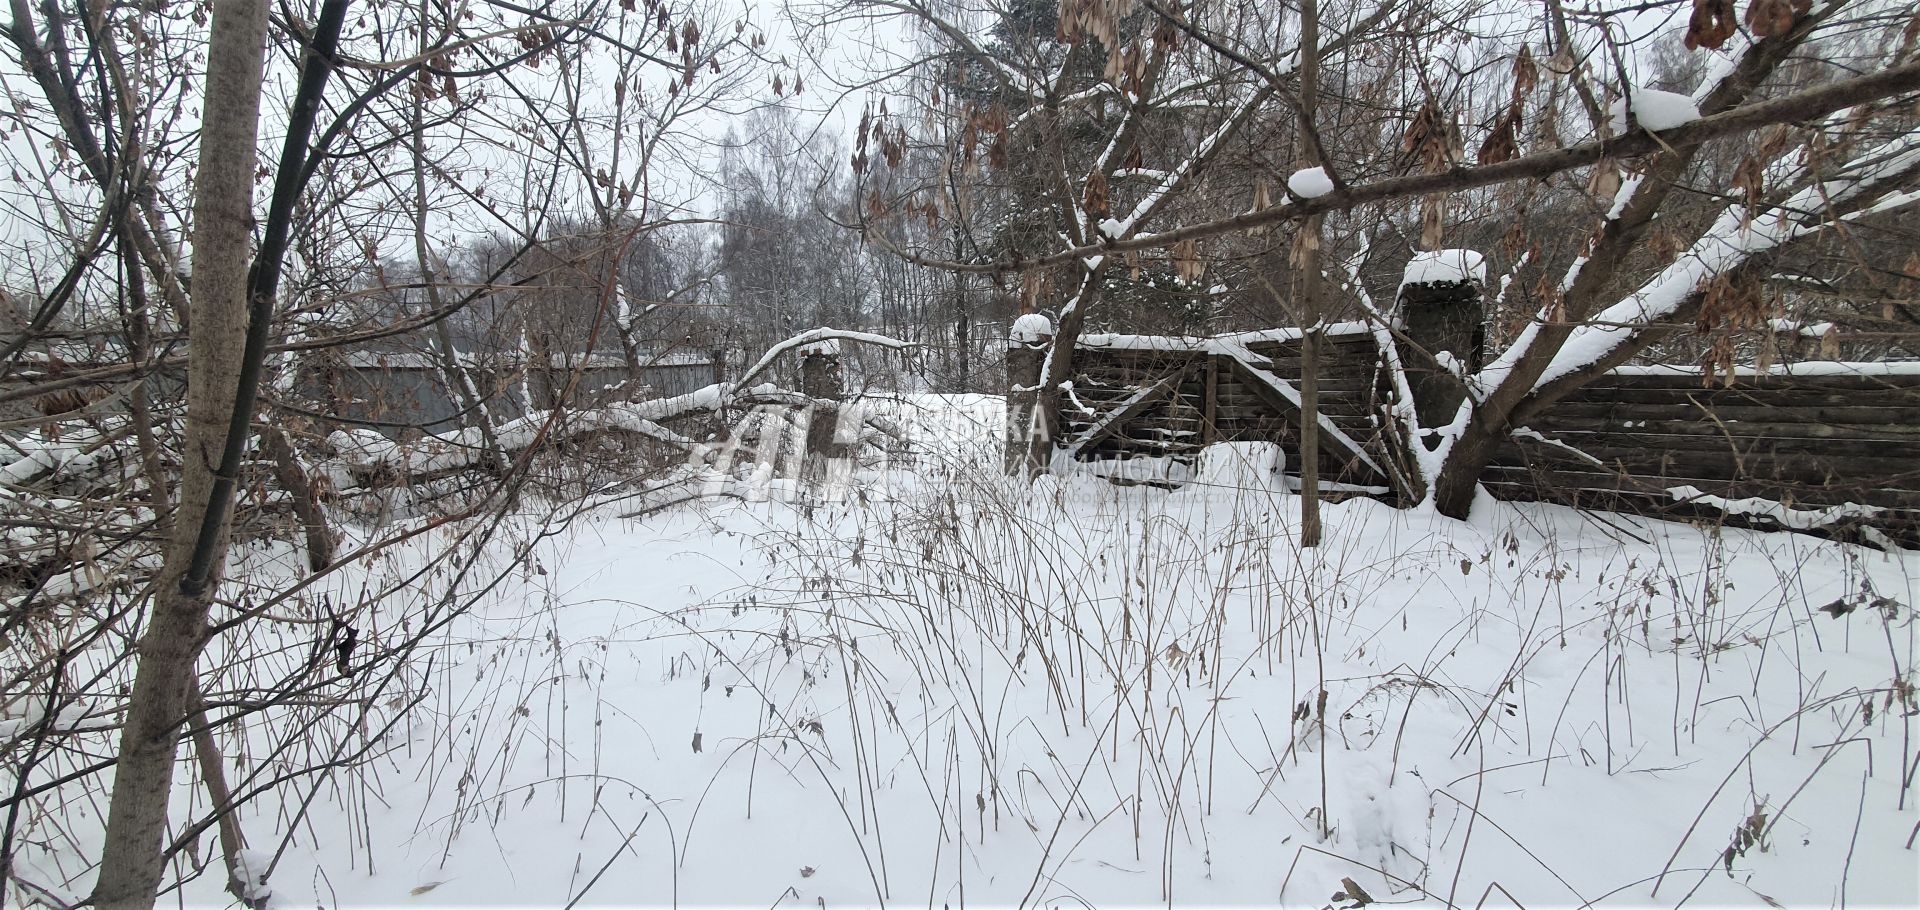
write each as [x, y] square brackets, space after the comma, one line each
[131, 862]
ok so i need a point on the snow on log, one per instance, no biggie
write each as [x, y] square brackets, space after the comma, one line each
[1310, 183]
[814, 336]
[1784, 515]
[1654, 110]
[1214, 344]
[1254, 366]
[1802, 368]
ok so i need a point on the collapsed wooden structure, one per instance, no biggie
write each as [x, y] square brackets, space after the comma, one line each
[1823, 447]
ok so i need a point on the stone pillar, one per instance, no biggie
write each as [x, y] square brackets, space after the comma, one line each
[822, 379]
[1027, 345]
[1445, 331]
[820, 373]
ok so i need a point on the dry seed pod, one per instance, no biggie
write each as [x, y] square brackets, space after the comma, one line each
[1604, 183]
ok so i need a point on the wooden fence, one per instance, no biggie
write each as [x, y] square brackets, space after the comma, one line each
[1824, 447]
[1215, 392]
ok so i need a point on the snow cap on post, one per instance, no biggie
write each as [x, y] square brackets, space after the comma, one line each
[1443, 320]
[1032, 328]
[1444, 267]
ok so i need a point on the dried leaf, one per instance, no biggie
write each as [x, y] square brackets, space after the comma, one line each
[1095, 199]
[1501, 144]
[1186, 260]
[1767, 18]
[1711, 24]
[1526, 74]
[1432, 221]
[1604, 183]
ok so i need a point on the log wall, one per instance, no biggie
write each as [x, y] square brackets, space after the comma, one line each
[1808, 442]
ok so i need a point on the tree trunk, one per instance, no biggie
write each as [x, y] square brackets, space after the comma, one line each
[131, 863]
[1619, 236]
[295, 479]
[468, 404]
[962, 322]
[1308, 262]
[1046, 422]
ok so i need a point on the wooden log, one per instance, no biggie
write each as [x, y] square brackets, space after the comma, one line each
[1778, 397]
[1708, 439]
[1615, 412]
[1794, 467]
[1599, 480]
[1666, 432]
[1849, 382]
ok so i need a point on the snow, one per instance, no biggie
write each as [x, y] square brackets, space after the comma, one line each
[1796, 327]
[1543, 439]
[251, 868]
[1444, 267]
[1783, 515]
[1140, 469]
[1802, 368]
[1030, 328]
[1621, 198]
[1212, 344]
[829, 347]
[1310, 183]
[1654, 110]
[1074, 694]
[1241, 466]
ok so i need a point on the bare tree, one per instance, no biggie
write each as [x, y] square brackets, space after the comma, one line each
[131, 863]
[1182, 86]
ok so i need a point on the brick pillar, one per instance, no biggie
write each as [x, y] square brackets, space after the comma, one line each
[1444, 321]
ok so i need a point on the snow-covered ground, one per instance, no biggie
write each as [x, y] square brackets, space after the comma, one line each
[948, 688]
